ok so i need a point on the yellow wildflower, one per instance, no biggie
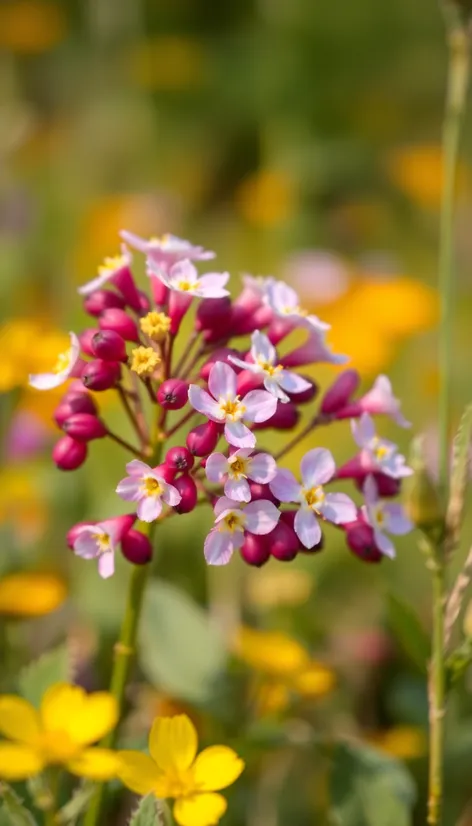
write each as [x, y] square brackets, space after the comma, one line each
[22, 504]
[144, 361]
[267, 198]
[155, 325]
[31, 26]
[418, 172]
[27, 346]
[60, 733]
[31, 594]
[175, 771]
[271, 652]
[403, 742]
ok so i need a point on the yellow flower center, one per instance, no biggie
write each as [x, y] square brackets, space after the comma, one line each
[187, 286]
[152, 487]
[295, 311]
[111, 264]
[379, 450]
[103, 541]
[233, 521]
[270, 369]
[379, 517]
[155, 325]
[232, 408]
[180, 784]
[314, 497]
[57, 746]
[238, 466]
[63, 361]
[159, 239]
[144, 361]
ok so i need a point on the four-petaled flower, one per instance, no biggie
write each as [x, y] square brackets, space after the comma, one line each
[98, 541]
[234, 471]
[284, 302]
[168, 249]
[62, 369]
[264, 363]
[148, 488]
[224, 405]
[383, 516]
[380, 453]
[106, 271]
[174, 770]
[232, 521]
[61, 733]
[184, 278]
[317, 468]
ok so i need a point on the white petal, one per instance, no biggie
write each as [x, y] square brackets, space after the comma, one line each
[307, 528]
[224, 504]
[370, 490]
[183, 271]
[106, 564]
[222, 381]
[363, 430]
[339, 508]
[216, 467]
[149, 508]
[246, 365]
[293, 383]
[95, 283]
[384, 544]
[285, 487]
[46, 381]
[129, 489]
[203, 402]
[238, 489]
[262, 348]
[218, 548]
[262, 468]
[273, 387]
[397, 520]
[85, 545]
[138, 468]
[261, 516]
[237, 434]
[260, 405]
[317, 467]
[171, 495]
[212, 285]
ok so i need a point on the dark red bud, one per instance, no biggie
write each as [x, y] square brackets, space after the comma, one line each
[144, 303]
[259, 491]
[188, 491]
[109, 346]
[74, 532]
[97, 302]
[75, 403]
[69, 454]
[120, 525]
[255, 550]
[213, 315]
[361, 541]
[166, 471]
[101, 375]
[203, 439]
[136, 547]
[219, 355]
[121, 323]
[386, 486]
[173, 394]
[75, 387]
[124, 282]
[160, 292]
[306, 395]
[86, 338]
[180, 459]
[283, 542]
[84, 427]
[340, 392]
[285, 417]
[248, 381]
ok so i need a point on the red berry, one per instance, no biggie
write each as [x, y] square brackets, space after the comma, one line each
[136, 547]
[180, 459]
[69, 454]
[173, 394]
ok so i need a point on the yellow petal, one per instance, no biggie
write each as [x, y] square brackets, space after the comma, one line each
[216, 767]
[315, 680]
[173, 742]
[85, 717]
[30, 594]
[96, 764]
[270, 651]
[18, 762]
[18, 719]
[139, 773]
[200, 809]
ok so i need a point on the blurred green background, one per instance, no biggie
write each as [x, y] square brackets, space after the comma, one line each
[296, 139]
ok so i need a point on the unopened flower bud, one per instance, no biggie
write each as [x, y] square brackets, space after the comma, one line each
[188, 491]
[109, 346]
[306, 395]
[180, 459]
[75, 387]
[167, 472]
[144, 303]
[73, 532]
[203, 439]
[76, 403]
[124, 281]
[213, 315]
[101, 375]
[136, 547]
[283, 542]
[361, 541]
[121, 323]
[244, 322]
[421, 498]
[160, 292]
[285, 417]
[386, 486]
[86, 337]
[255, 550]
[340, 392]
[84, 427]
[69, 454]
[259, 491]
[248, 381]
[97, 302]
[173, 394]
[219, 355]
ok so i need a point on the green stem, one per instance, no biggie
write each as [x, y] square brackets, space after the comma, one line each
[437, 699]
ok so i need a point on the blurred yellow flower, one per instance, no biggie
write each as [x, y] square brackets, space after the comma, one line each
[174, 770]
[418, 172]
[167, 62]
[31, 26]
[22, 503]
[28, 345]
[267, 198]
[28, 594]
[403, 742]
[60, 733]
[272, 586]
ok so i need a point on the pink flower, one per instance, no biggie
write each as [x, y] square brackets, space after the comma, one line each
[236, 469]
[379, 454]
[379, 399]
[317, 468]
[61, 371]
[224, 405]
[383, 516]
[99, 541]
[284, 302]
[148, 488]
[184, 278]
[106, 271]
[232, 521]
[166, 250]
[276, 379]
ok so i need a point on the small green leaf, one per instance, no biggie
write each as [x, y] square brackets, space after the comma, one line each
[76, 806]
[367, 788]
[150, 812]
[408, 630]
[12, 810]
[53, 667]
[459, 477]
[459, 661]
[181, 651]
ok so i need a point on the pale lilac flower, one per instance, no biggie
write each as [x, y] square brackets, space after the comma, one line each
[317, 468]
[110, 267]
[380, 399]
[184, 278]
[97, 542]
[232, 521]
[146, 487]
[61, 371]
[314, 350]
[379, 453]
[383, 516]
[253, 292]
[284, 302]
[236, 469]
[167, 249]
[224, 405]
[265, 363]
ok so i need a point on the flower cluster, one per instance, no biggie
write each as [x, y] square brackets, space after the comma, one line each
[229, 394]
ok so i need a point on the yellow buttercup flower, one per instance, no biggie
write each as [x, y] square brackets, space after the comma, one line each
[403, 742]
[271, 652]
[174, 770]
[60, 733]
[31, 594]
[144, 361]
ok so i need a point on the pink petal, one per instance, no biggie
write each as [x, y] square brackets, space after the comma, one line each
[106, 564]
[285, 487]
[222, 381]
[273, 387]
[262, 348]
[262, 468]
[260, 405]
[216, 467]
[95, 283]
[46, 381]
[238, 489]
[307, 528]
[129, 489]
[212, 285]
[222, 505]
[384, 544]
[171, 495]
[317, 467]
[138, 468]
[397, 520]
[218, 548]
[261, 516]
[85, 545]
[339, 508]
[237, 434]
[370, 491]
[135, 240]
[183, 271]
[203, 402]
[149, 508]
[293, 383]
[363, 430]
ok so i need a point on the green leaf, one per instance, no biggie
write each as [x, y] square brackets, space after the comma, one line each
[53, 667]
[459, 478]
[459, 661]
[150, 812]
[71, 811]
[12, 811]
[367, 788]
[181, 650]
[408, 630]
